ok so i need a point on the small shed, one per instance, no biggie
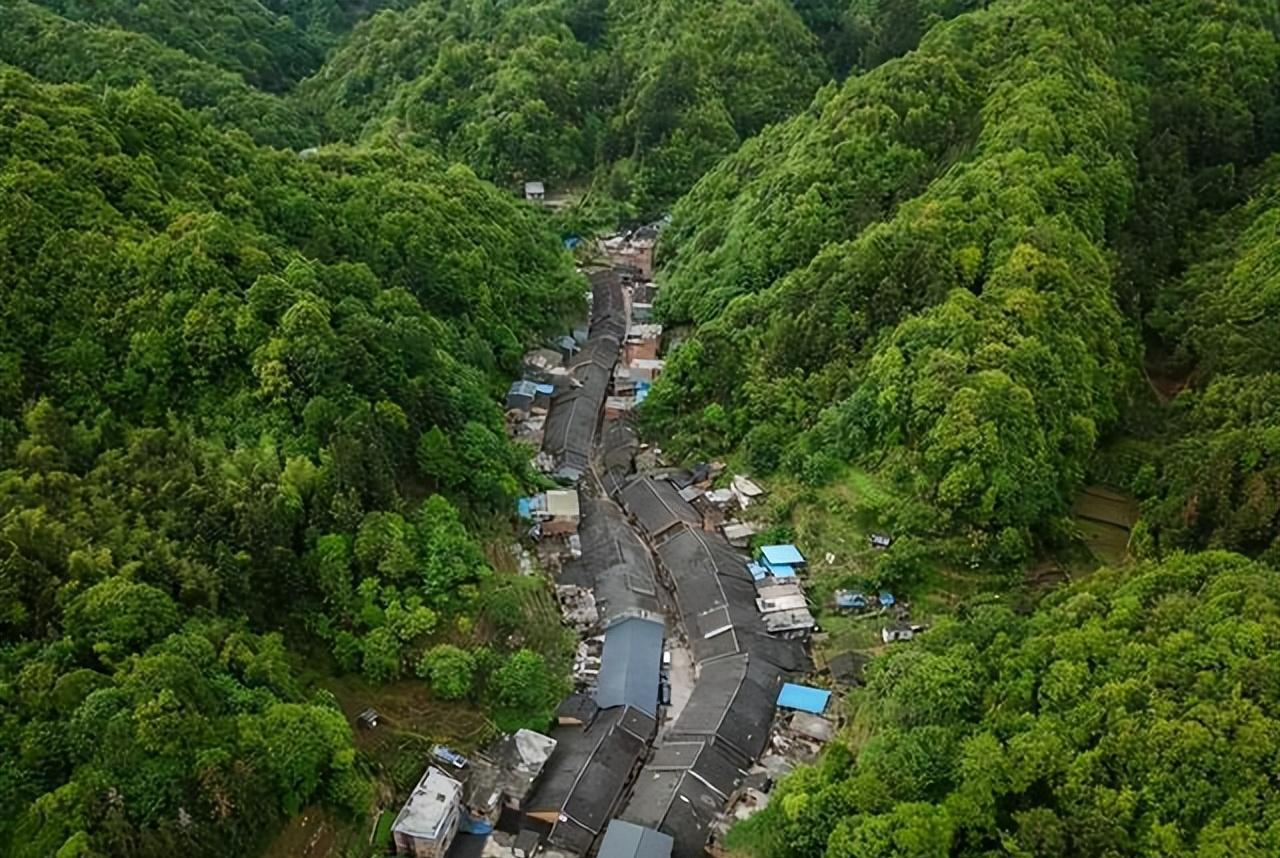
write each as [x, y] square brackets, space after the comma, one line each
[881, 540]
[804, 698]
[562, 512]
[368, 719]
[535, 192]
[850, 600]
[899, 632]
[520, 396]
[886, 599]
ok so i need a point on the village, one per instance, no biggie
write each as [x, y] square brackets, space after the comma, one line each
[694, 686]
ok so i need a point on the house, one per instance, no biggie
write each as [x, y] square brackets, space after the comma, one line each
[562, 513]
[520, 396]
[541, 364]
[628, 840]
[503, 775]
[428, 822]
[585, 779]
[535, 192]
[804, 698]
[812, 726]
[631, 664]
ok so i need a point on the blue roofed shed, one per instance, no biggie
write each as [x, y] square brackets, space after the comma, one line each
[805, 698]
[630, 665]
[886, 598]
[758, 572]
[782, 555]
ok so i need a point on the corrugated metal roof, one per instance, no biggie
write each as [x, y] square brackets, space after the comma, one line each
[805, 698]
[630, 665]
[628, 840]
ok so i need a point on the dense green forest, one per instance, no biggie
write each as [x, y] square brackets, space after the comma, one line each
[263, 280]
[931, 270]
[1135, 714]
[242, 393]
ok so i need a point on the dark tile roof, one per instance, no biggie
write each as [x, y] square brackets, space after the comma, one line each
[730, 706]
[657, 506]
[615, 563]
[587, 774]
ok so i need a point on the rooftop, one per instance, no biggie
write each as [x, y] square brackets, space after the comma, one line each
[628, 840]
[428, 807]
[805, 698]
[630, 665]
[782, 555]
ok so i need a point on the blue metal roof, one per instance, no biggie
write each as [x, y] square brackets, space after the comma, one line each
[630, 665]
[546, 389]
[806, 698]
[758, 572]
[785, 555]
[780, 570]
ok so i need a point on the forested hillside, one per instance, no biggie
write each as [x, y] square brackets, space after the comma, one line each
[919, 269]
[265, 276]
[1135, 714]
[241, 393]
[655, 92]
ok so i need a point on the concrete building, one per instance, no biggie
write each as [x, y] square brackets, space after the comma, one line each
[428, 822]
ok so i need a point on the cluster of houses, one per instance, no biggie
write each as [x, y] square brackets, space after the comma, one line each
[655, 564]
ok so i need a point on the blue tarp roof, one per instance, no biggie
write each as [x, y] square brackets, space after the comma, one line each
[642, 391]
[806, 698]
[887, 598]
[546, 389]
[780, 570]
[786, 555]
[757, 571]
[524, 506]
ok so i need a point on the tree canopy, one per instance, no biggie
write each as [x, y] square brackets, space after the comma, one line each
[1133, 714]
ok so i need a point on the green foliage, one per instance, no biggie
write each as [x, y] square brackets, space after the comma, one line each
[217, 363]
[916, 274]
[1216, 481]
[652, 94]
[1119, 719]
[449, 670]
[524, 690]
